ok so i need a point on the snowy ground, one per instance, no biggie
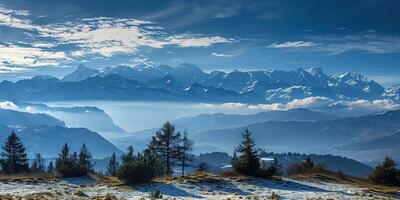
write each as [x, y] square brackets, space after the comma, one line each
[222, 189]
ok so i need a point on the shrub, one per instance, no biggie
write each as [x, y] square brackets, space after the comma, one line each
[203, 167]
[142, 168]
[301, 168]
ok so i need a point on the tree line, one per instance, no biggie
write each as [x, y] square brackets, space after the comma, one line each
[14, 160]
[167, 149]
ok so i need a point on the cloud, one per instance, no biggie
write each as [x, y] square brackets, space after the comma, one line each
[29, 57]
[323, 104]
[15, 57]
[11, 18]
[195, 41]
[102, 36]
[221, 55]
[367, 41]
[8, 105]
[296, 44]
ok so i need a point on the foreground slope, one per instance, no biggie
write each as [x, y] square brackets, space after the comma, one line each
[200, 186]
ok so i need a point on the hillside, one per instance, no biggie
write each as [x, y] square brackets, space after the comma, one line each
[200, 186]
[48, 140]
[16, 118]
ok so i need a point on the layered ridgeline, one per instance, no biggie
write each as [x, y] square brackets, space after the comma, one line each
[189, 83]
[366, 138]
[44, 134]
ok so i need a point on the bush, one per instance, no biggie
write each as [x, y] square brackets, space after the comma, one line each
[142, 168]
[203, 167]
[301, 168]
[386, 173]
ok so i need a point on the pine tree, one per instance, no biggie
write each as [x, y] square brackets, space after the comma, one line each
[63, 161]
[74, 164]
[38, 164]
[165, 144]
[85, 164]
[128, 156]
[186, 148]
[248, 161]
[113, 166]
[50, 168]
[14, 158]
[65, 164]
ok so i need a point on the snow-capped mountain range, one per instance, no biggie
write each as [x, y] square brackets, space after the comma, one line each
[190, 83]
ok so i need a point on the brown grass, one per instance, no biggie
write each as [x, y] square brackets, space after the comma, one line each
[346, 179]
[28, 177]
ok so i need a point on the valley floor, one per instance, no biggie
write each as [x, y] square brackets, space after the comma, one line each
[214, 187]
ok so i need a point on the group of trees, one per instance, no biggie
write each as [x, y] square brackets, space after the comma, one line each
[73, 164]
[167, 149]
[14, 160]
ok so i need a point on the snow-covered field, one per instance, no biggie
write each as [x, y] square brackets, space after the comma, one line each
[222, 189]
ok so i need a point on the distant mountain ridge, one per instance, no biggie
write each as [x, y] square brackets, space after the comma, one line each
[16, 118]
[42, 133]
[219, 120]
[353, 135]
[189, 83]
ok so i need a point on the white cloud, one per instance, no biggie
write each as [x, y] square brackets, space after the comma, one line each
[8, 105]
[28, 57]
[221, 55]
[367, 41]
[295, 44]
[196, 41]
[8, 18]
[324, 104]
[6, 69]
[102, 36]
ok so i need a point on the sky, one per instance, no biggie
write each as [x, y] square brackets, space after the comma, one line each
[53, 37]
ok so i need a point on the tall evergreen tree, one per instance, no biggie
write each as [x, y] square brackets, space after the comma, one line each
[14, 158]
[128, 156]
[38, 164]
[63, 161]
[85, 163]
[248, 161]
[50, 168]
[186, 148]
[112, 166]
[65, 164]
[165, 144]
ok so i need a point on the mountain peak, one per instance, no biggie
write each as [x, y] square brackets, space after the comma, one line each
[81, 73]
[315, 71]
[190, 67]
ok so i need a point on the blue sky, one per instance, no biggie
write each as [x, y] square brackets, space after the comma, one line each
[54, 36]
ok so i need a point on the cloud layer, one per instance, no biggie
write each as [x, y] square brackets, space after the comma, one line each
[345, 108]
[367, 41]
